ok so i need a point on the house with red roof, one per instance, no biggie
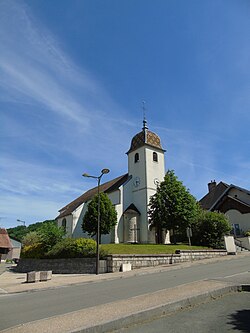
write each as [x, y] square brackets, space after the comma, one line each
[5, 243]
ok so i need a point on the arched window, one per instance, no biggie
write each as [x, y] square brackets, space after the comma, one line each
[64, 223]
[155, 157]
[136, 157]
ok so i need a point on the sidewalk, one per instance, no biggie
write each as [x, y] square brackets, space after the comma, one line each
[11, 282]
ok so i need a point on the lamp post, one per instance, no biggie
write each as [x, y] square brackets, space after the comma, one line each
[20, 221]
[104, 171]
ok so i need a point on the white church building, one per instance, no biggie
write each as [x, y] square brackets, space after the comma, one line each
[129, 193]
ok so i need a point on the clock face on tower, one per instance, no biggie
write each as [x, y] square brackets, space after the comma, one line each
[156, 181]
[136, 181]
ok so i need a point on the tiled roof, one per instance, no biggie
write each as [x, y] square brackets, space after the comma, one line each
[211, 197]
[228, 202]
[107, 187]
[217, 196]
[4, 239]
[145, 138]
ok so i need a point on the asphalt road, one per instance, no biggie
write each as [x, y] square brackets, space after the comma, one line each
[24, 307]
[230, 313]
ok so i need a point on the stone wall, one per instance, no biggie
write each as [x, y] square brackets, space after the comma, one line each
[114, 262]
[62, 266]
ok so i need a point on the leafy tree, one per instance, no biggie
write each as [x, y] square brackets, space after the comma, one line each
[172, 207]
[20, 231]
[108, 216]
[210, 229]
[50, 234]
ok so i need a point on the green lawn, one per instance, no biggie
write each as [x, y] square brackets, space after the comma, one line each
[146, 248]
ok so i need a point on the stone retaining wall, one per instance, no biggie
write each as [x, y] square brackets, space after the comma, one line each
[113, 263]
[61, 266]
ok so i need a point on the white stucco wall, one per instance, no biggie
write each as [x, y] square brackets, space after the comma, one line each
[69, 220]
[148, 171]
[236, 217]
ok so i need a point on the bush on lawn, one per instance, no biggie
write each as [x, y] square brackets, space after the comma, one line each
[35, 251]
[75, 248]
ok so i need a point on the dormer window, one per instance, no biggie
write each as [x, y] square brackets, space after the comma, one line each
[136, 157]
[155, 157]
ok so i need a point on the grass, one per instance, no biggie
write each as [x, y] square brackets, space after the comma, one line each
[146, 248]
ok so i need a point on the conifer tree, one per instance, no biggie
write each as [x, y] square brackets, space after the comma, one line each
[108, 216]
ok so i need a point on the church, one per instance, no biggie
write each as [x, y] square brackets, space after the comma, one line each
[129, 193]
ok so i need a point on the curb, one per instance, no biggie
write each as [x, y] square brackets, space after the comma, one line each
[153, 313]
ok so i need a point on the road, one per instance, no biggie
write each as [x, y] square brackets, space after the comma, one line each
[230, 313]
[25, 307]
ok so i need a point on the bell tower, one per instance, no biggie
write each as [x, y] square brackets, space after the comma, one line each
[146, 167]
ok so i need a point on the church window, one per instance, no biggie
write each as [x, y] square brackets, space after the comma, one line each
[136, 157]
[155, 157]
[64, 222]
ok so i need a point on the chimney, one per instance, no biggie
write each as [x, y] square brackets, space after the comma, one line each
[211, 185]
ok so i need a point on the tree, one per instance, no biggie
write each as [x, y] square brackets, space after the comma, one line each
[50, 234]
[108, 216]
[20, 231]
[172, 207]
[210, 229]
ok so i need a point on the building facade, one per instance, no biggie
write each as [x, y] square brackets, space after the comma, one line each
[129, 193]
[232, 200]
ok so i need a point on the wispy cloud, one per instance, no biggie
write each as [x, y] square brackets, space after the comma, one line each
[35, 69]
[50, 107]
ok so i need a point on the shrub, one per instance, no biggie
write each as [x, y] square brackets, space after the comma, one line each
[75, 248]
[210, 229]
[247, 233]
[35, 251]
[31, 238]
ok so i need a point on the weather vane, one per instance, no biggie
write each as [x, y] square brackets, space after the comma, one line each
[144, 110]
[145, 126]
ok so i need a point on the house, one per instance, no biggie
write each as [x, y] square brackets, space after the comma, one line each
[232, 200]
[5, 244]
[15, 251]
[129, 193]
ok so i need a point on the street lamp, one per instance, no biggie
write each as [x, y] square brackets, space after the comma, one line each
[104, 171]
[20, 221]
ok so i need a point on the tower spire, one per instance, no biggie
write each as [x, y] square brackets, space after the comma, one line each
[145, 125]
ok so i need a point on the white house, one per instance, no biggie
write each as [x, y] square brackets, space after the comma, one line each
[129, 193]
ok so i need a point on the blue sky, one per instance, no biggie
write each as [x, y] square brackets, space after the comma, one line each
[73, 74]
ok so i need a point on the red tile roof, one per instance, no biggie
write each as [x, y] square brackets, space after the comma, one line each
[4, 239]
[107, 187]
